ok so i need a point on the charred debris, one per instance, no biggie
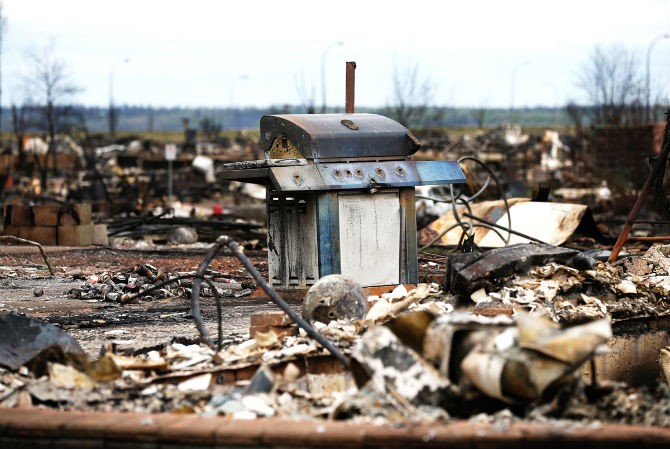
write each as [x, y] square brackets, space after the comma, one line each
[517, 313]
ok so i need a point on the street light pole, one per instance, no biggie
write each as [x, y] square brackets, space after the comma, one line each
[112, 112]
[648, 83]
[323, 73]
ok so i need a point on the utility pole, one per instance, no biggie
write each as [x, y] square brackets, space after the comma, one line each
[112, 111]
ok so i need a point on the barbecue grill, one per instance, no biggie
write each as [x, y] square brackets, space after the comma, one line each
[340, 197]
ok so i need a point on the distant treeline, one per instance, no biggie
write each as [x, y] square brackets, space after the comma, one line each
[152, 119]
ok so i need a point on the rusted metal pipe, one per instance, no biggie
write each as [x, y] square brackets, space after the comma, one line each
[623, 236]
[656, 238]
[31, 427]
[13, 238]
[658, 168]
[350, 87]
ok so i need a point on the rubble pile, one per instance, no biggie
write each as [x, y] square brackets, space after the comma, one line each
[146, 282]
[575, 290]
[560, 162]
[415, 355]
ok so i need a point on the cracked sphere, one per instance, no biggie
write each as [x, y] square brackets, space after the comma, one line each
[335, 297]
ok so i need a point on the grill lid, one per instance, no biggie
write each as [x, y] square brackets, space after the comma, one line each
[335, 136]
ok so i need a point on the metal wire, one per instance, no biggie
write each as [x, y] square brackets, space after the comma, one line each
[195, 292]
[468, 226]
[220, 243]
[492, 226]
[274, 296]
[197, 317]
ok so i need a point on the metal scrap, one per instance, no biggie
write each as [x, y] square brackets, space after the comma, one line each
[566, 294]
[418, 360]
[33, 343]
[471, 271]
[334, 297]
[408, 364]
[237, 252]
[548, 222]
[522, 363]
[399, 372]
[390, 305]
[147, 282]
[11, 238]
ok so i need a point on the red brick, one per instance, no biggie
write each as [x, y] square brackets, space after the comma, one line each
[11, 230]
[270, 318]
[136, 427]
[88, 425]
[337, 434]
[280, 331]
[20, 215]
[386, 436]
[288, 433]
[100, 236]
[81, 210]
[32, 422]
[493, 311]
[81, 235]
[45, 215]
[46, 235]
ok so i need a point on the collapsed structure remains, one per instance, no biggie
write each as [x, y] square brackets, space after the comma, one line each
[505, 315]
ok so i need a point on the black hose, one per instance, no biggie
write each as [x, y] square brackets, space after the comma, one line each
[500, 189]
[224, 240]
[468, 228]
[520, 234]
[195, 291]
[197, 317]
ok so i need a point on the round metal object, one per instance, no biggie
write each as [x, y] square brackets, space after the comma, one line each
[335, 297]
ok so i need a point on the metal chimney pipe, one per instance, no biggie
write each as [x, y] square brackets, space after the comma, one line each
[350, 88]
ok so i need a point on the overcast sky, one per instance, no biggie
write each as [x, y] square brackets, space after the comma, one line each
[208, 53]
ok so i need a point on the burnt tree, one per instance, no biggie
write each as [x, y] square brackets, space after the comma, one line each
[49, 89]
[612, 81]
[411, 103]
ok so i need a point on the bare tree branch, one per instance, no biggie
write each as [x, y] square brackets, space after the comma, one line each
[307, 96]
[49, 90]
[412, 97]
[614, 86]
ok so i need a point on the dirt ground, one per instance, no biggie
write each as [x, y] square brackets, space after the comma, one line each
[93, 322]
